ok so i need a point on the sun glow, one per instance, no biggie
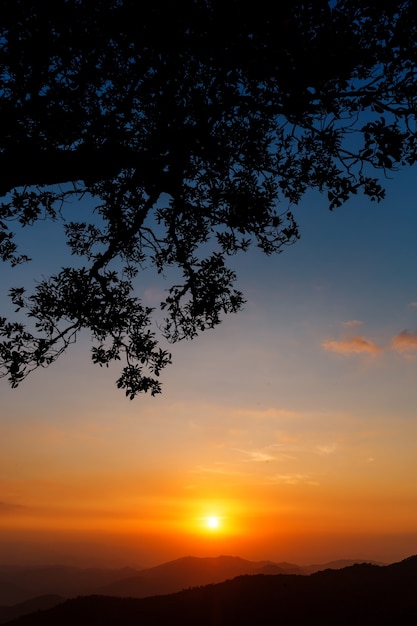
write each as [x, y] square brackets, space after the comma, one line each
[213, 522]
[213, 519]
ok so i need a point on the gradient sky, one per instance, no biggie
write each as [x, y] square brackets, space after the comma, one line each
[294, 422]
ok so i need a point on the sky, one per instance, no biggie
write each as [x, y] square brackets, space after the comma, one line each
[288, 433]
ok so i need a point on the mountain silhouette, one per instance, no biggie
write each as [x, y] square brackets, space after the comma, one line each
[356, 595]
[190, 572]
[40, 603]
[19, 584]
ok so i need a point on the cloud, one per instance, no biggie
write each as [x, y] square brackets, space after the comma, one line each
[294, 479]
[274, 452]
[353, 323]
[324, 450]
[219, 469]
[413, 304]
[258, 456]
[404, 342]
[353, 345]
[10, 507]
[154, 296]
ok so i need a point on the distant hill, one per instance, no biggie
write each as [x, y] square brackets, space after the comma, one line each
[8, 613]
[191, 572]
[18, 584]
[358, 595]
[12, 593]
[340, 564]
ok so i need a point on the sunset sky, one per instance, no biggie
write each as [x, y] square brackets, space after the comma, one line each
[293, 424]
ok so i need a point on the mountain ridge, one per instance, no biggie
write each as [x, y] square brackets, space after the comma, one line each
[19, 583]
[359, 594]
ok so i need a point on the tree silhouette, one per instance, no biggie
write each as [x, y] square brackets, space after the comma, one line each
[191, 127]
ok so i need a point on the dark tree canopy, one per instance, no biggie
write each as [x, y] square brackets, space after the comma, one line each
[192, 127]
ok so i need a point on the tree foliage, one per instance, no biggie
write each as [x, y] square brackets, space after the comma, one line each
[192, 127]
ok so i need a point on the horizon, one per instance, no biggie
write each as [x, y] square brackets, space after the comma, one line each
[107, 551]
[97, 562]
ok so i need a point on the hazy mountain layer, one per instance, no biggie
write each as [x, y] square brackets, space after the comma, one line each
[357, 595]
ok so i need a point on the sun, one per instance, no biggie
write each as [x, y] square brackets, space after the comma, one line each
[213, 522]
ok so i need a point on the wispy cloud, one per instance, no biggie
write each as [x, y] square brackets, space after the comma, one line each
[352, 345]
[413, 305]
[294, 479]
[222, 469]
[10, 507]
[154, 296]
[404, 342]
[353, 323]
[326, 449]
[258, 456]
[261, 455]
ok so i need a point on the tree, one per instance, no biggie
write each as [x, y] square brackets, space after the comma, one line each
[191, 127]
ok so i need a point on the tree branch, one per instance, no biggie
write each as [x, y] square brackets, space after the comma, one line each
[31, 166]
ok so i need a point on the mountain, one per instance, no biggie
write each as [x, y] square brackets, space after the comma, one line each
[18, 584]
[362, 594]
[190, 572]
[8, 613]
[340, 564]
[11, 593]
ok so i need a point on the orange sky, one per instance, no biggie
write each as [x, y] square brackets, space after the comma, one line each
[145, 476]
[294, 422]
